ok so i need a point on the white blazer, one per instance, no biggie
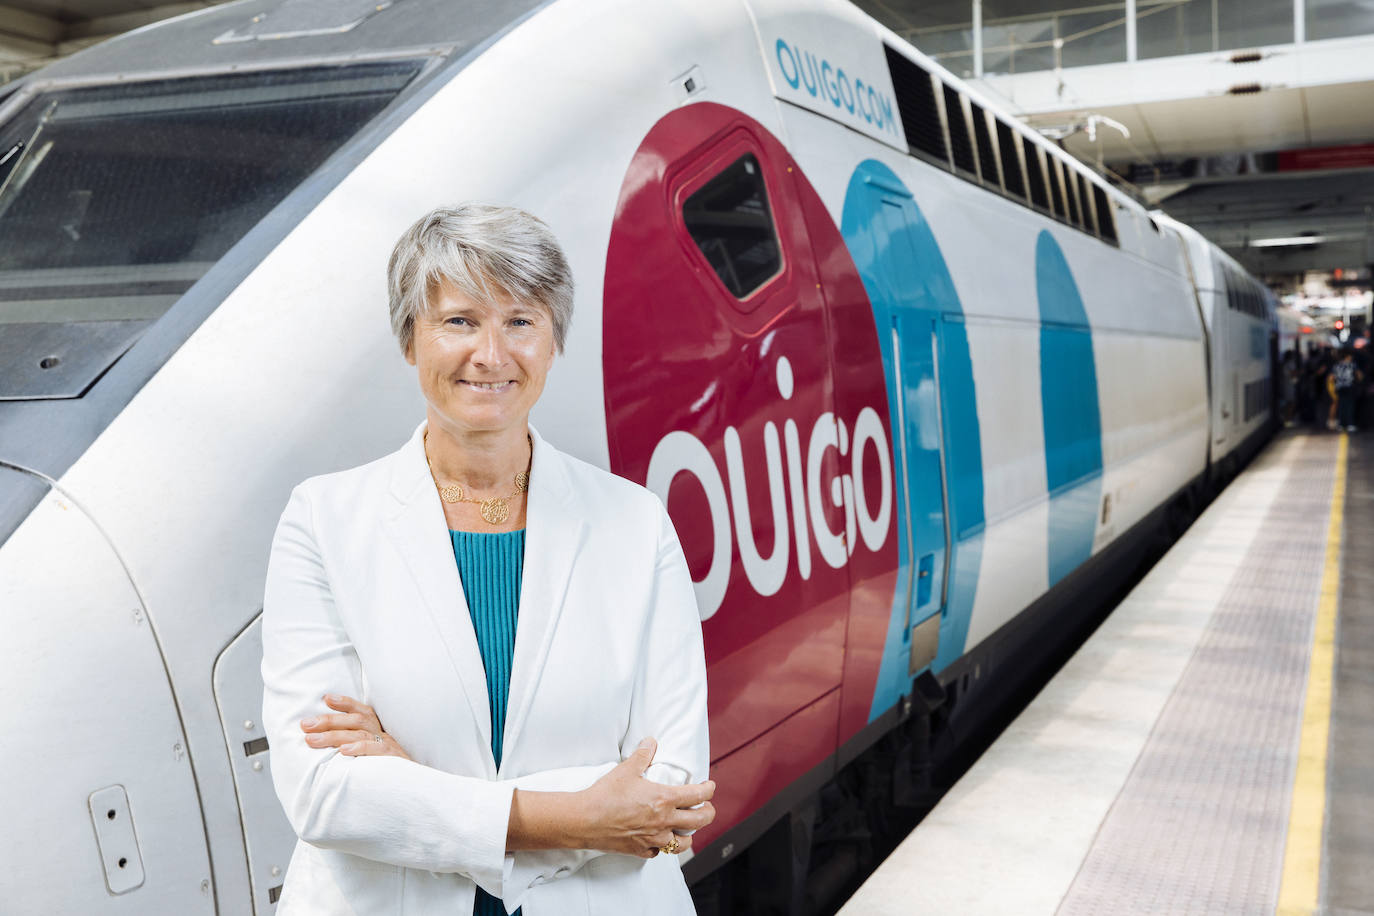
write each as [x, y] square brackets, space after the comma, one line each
[364, 599]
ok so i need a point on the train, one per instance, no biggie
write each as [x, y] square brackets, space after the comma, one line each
[911, 380]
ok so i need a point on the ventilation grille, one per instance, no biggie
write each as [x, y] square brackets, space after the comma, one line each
[986, 159]
[959, 143]
[1011, 161]
[1106, 221]
[1056, 192]
[1035, 174]
[1084, 195]
[917, 105]
[1071, 195]
[975, 144]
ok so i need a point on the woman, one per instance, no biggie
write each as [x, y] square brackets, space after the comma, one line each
[523, 623]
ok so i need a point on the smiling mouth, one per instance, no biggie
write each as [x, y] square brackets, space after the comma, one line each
[489, 386]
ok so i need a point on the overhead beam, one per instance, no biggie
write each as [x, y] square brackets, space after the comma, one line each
[26, 37]
[1173, 184]
[1290, 261]
[17, 23]
[22, 50]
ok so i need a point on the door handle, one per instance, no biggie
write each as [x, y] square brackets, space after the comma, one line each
[924, 572]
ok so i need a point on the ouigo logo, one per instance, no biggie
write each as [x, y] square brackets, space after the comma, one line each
[869, 516]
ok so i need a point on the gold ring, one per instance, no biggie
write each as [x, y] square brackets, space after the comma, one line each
[671, 848]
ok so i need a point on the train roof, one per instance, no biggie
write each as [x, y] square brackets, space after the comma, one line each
[254, 34]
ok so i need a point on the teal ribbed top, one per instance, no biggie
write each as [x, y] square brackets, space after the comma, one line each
[490, 566]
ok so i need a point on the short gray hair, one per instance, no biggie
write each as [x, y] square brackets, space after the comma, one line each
[485, 252]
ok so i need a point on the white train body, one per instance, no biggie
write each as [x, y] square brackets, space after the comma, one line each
[133, 553]
[1241, 317]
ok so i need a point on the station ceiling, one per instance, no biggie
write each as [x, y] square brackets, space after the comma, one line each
[1221, 141]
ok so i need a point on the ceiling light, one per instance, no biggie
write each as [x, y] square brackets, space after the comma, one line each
[1288, 242]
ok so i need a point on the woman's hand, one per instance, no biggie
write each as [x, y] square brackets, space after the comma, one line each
[355, 730]
[628, 814]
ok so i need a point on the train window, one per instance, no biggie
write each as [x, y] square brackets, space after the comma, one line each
[959, 142]
[1086, 201]
[731, 223]
[124, 195]
[1012, 175]
[1056, 192]
[1106, 220]
[987, 159]
[1071, 194]
[917, 105]
[1035, 174]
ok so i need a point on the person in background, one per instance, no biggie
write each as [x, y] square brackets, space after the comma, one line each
[1317, 378]
[1288, 387]
[1306, 407]
[1345, 379]
[482, 658]
[1364, 394]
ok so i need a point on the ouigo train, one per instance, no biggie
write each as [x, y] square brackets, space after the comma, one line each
[911, 380]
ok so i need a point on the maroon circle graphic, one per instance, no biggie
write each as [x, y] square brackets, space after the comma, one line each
[760, 415]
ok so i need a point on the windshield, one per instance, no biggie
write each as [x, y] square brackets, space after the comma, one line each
[115, 199]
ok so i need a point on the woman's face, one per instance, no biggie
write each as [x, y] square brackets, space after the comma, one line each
[481, 365]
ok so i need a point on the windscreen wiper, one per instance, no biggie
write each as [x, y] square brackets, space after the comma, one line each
[19, 152]
[11, 153]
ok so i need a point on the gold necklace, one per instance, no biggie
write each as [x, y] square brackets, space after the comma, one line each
[494, 510]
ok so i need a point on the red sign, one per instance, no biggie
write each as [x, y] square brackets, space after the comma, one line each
[1327, 157]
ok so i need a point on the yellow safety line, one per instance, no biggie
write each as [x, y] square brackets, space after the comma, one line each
[1300, 888]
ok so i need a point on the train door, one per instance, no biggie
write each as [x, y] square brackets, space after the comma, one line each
[102, 802]
[1223, 381]
[915, 331]
[930, 387]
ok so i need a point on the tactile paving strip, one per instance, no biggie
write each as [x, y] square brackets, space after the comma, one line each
[1199, 825]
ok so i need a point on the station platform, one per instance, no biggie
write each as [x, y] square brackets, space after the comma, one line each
[1210, 749]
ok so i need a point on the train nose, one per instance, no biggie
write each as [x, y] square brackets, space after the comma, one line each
[97, 769]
